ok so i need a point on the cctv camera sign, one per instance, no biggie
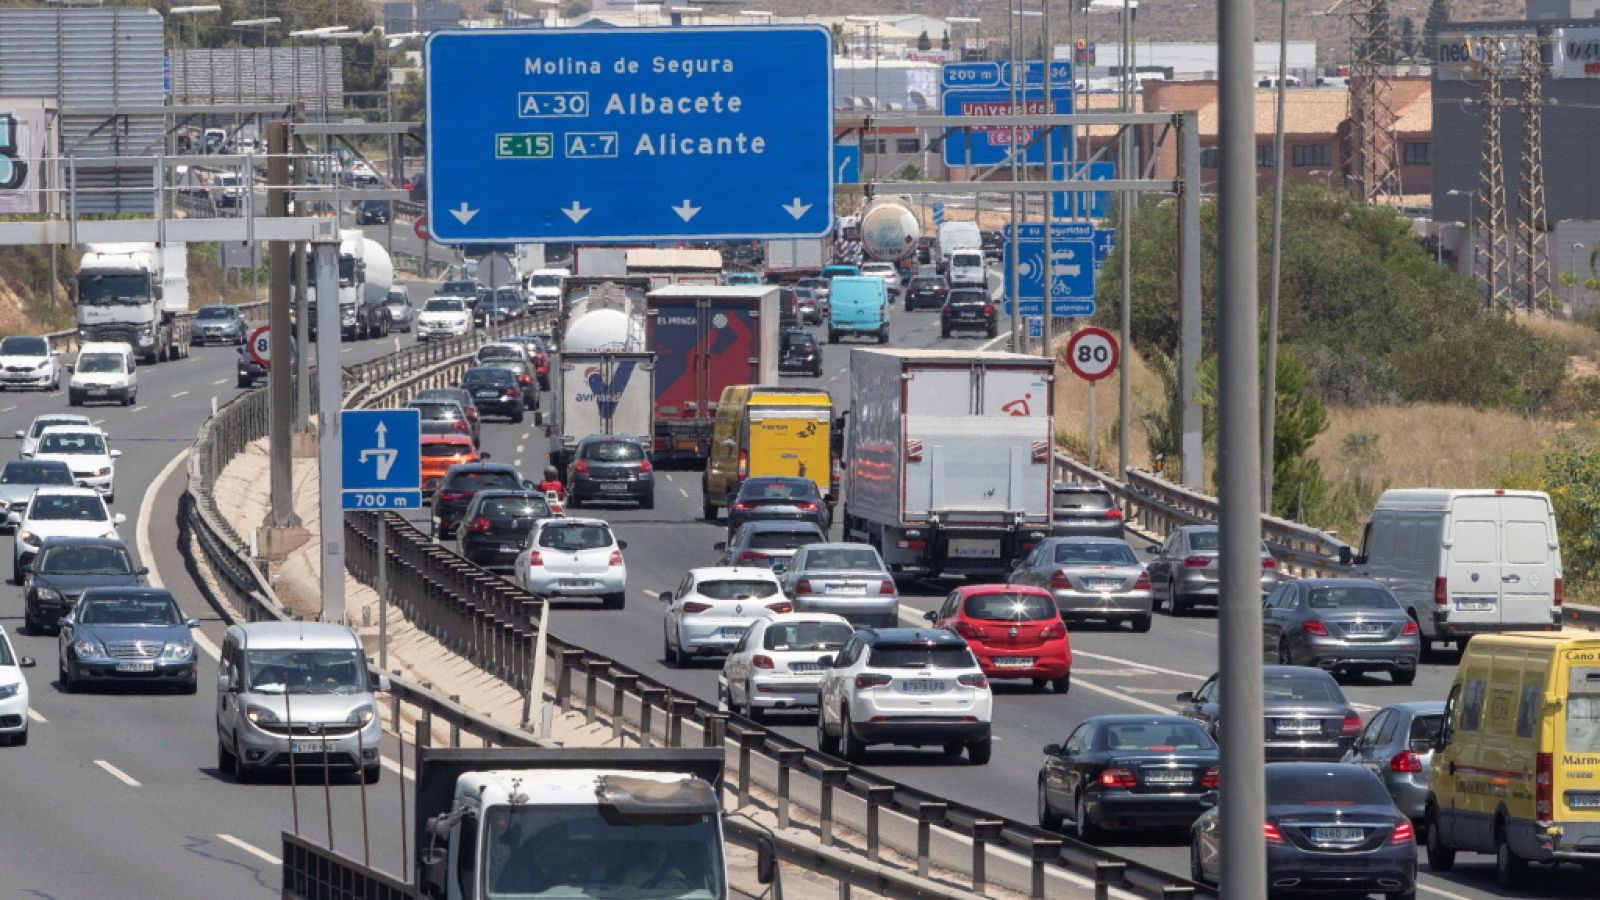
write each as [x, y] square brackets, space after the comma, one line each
[22, 149]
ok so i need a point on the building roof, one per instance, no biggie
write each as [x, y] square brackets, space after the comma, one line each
[1309, 111]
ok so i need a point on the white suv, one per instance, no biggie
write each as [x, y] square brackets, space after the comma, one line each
[911, 686]
[83, 448]
[59, 512]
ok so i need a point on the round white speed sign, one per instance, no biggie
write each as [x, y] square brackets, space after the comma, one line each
[260, 345]
[1093, 354]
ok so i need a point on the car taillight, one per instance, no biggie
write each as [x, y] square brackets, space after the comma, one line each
[615, 560]
[886, 588]
[1315, 626]
[974, 680]
[695, 606]
[1053, 632]
[460, 425]
[762, 661]
[1409, 629]
[524, 378]
[452, 496]
[1405, 761]
[479, 525]
[1059, 580]
[1212, 778]
[1351, 725]
[1403, 833]
[1269, 563]
[751, 556]
[511, 392]
[1271, 833]
[868, 680]
[803, 586]
[1142, 583]
[1196, 562]
[782, 606]
[1118, 778]
[988, 309]
[1559, 592]
[972, 632]
[1114, 513]
[805, 505]
[742, 506]
[581, 467]
[534, 559]
[645, 468]
[1441, 592]
[744, 464]
[1543, 788]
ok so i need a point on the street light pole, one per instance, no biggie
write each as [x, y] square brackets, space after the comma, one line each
[1269, 388]
[1572, 291]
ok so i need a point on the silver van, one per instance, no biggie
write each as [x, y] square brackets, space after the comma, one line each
[296, 690]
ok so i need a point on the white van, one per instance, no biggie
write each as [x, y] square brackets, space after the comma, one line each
[104, 371]
[959, 237]
[966, 269]
[1465, 562]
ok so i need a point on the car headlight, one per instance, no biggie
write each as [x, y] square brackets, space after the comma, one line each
[86, 648]
[260, 715]
[361, 715]
[7, 691]
[28, 537]
[179, 650]
[110, 534]
[102, 472]
[45, 593]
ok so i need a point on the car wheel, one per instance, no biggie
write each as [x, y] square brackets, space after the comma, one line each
[64, 675]
[994, 330]
[20, 739]
[979, 751]
[1441, 857]
[16, 571]
[944, 332]
[1049, 819]
[855, 750]
[954, 749]
[1510, 870]
[243, 383]
[191, 686]
[516, 417]
[73, 399]
[1197, 872]
[750, 710]
[826, 742]
[1141, 624]
[1284, 657]
[673, 658]
[1061, 685]
[724, 703]
[1082, 825]
[649, 502]
[226, 762]
[617, 600]
[371, 774]
[1403, 677]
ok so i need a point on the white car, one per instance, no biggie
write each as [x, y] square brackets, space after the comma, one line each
[778, 662]
[889, 272]
[83, 448]
[28, 362]
[59, 512]
[443, 317]
[915, 686]
[966, 269]
[712, 607]
[544, 288]
[574, 558]
[13, 693]
[105, 370]
[30, 436]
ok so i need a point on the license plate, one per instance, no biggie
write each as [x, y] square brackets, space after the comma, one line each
[1298, 726]
[1365, 627]
[1338, 835]
[1013, 662]
[1168, 776]
[1475, 605]
[136, 667]
[98, 392]
[486, 395]
[688, 445]
[923, 686]
[732, 631]
[804, 667]
[1103, 584]
[974, 548]
[846, 588]
[1583, 801]
[306, 747]
[577, 582]
[509, 548]
[613, 488]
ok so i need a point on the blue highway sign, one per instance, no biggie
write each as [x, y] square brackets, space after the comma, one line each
[626, 134]
[1084, 206]
[938, 212]
[382, 458]
[846, 163]
[1073, 246]
[984, 89]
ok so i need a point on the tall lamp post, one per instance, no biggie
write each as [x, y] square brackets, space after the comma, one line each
[1472, 223]
[1572, 292]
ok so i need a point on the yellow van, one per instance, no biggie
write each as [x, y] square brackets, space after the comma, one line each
[1516, 766]
[768, 430]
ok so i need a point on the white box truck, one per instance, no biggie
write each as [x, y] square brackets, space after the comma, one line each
[948, 457]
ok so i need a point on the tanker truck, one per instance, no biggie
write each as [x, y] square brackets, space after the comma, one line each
[365, 276]
[604, 379]
[136, 294]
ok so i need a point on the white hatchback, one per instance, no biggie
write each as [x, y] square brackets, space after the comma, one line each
[59, 512]
[712, 607]
[27, 361]
[30, 437]
[443, 317]
[574, 558]
[83, 448]
[778, 662]
[13, 693]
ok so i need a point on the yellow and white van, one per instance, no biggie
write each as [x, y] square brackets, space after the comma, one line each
[766, 430]
[1516, 766]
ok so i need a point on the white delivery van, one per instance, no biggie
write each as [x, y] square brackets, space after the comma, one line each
[104, 371]
[1465, 562]
[966, 269]
[958, 237]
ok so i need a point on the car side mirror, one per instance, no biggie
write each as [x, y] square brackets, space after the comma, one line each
[435, 869]
[622, 545]
[191, 623]
[826, 662]
[529, 486]
[1052, 749]
[720, 545]
[1153, 548]
[26, 662]
[1186, 697]
[1346, 558]
[931, 615]
[142, 570]
[13, 518]
[224, 683]
[67, 620]
[25, 454]
[118, 519]
[71, 368]
[766, 860]
[384, 684]
[1421, 745]
[664, 596]
[116, 454]
[21, 434]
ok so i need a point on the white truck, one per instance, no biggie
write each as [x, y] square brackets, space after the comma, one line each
[604, 379]
[365, 275]
[790, 260]
[136, 294]
[948, 457]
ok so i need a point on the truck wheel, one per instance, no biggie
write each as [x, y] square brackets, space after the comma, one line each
[833, 336]
[707, 510]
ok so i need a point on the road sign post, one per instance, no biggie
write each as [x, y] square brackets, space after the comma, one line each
[1092, 354]
[260, 345]
[630, 134]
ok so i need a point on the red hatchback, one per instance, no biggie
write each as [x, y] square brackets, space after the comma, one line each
[1014, 631]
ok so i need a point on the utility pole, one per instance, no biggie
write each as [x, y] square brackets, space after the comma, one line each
[330, 378]
[1125, 169]
[281, 517]
[1047, 310]
[1533, 224]
[1191, 443]
[1269, 389]
[1012, 35]
[1243, 806]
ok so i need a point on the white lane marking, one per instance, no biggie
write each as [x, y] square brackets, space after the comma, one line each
[141, 540]
[1078, 683]
[180, 394]
[520, 447]
[118, 774]
[9, 408]
[526, 435]
[1439, 891]
[683, 492]
[34, 715]
[138, 408]
[516, 463]
[394, 767]
[251, 849]
[1146, 666]
[220, 381]
[347, 350]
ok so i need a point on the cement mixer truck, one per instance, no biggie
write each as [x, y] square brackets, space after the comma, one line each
[365, 275]
[135, 294]
[604, 379]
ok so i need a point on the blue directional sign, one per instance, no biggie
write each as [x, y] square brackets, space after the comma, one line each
[984, 89]
[1084, 206]
[382, 454]
[846, 163]
[630, 134]
[938, 212]
[1035, 326]
[1073, 246]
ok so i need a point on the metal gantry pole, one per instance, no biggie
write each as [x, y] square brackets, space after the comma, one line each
[1012, 38]
[302, 342]
[1191, 445]
[1243, 807]
[329, 384]
[280, 446]
[1046, 310]
[1269, 387]
[1125, 166]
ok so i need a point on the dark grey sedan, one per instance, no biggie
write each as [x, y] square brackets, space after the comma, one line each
[608, 467]
[67, 567]
[127, 636]
[1128, 771]
[770, 544]
[766, 499]
[1305, 714]
[1084, 510]
[1397, 746]
[1342, 625]
[1330, 828]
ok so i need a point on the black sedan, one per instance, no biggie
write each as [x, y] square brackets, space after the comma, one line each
[1126, 772]
[127, 636]
[495, 392]
[926, 290]
[459, 485]
[778, 499]
[611, 467]
[373, 212]
[64, 569]
[527, 378]
[1306, 715]
[968, 311]
[1330, 827]
[799, 354]
[496, 525]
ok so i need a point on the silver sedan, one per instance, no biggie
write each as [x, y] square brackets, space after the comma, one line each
[1090, 578]
[1342, 625]
[1185, 572]
[848, 580]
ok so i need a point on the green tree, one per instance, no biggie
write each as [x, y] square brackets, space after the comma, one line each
[1438, 16]
[1298, 488]
[1406, 38]
[944, 42]
[923, 41]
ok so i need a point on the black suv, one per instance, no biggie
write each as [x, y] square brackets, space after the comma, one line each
[798, 353]
[496, 524]
[994, 244]
[967, 311]
[926, 290]
[459, 485]
[64, 568]
[373, 212]
[495, 392]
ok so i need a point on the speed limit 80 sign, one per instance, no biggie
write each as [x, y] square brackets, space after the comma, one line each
[1093, 354]
[260, 345]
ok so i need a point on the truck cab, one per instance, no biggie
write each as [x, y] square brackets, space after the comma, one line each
[768, 430]
[136, 294]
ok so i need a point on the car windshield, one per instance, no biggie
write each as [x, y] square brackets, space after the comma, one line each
[6, 659]
[1177, 734]
[806, 635]
[1364, 597]
[306, 671]
[43, 422]
[760, 489]
[214, 312]
[920, 656]
[613, 451]
[782, 540]
[1010, 607]
[575, 536]
[579, 852]
[484, 480]
[83, 442]
[22, 472]
[515, 507]
[441, 449]
[851, 559]
[24, 346]
[1312, 785]
[439, 304]
[1095, 554]
[100, 362]
[93, 560]
[736, 588]
[68, 507]
[1302, 688]
[540, 281]
[141, 610]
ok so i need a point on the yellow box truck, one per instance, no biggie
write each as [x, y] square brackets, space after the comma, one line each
[767, 430]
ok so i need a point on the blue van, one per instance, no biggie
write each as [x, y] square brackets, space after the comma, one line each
[860, 308]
